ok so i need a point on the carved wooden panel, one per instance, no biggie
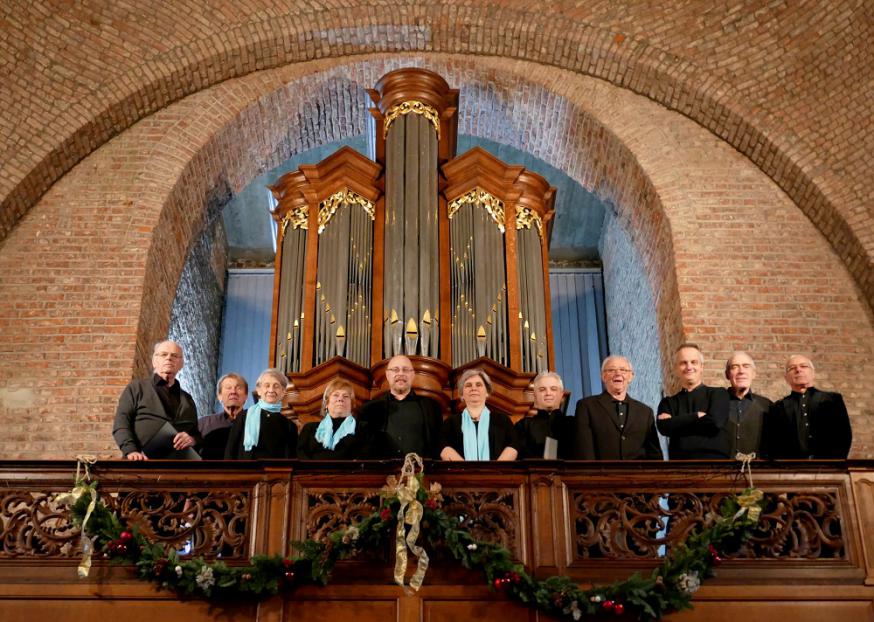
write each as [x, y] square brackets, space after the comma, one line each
[33, 525]
[623, 525]
[211, 524]
[328, 510]
[205, 523]
[490, 515]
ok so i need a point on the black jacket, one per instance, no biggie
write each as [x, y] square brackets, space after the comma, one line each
[810, 425]
[141, 413]
[691, 436]
[374, 415]
[598, 434]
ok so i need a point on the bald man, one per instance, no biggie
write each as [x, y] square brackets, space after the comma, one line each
[400, 421]
[807, 423]
[155, 418]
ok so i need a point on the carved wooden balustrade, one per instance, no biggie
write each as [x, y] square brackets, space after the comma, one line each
[812, 556]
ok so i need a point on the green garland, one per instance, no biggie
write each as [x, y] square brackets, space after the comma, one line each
[667, 588]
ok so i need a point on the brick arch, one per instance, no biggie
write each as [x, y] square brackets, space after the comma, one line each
[648, 62]
[123, 220]
[594, 156]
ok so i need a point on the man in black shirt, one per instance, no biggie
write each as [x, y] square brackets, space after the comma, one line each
[231, 391]
[694, 418]
[548, 422]
[402, 422]
[746, 409]
[155, 418]
[612, 425]
[807, 423]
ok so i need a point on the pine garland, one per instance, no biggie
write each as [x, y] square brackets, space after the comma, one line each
[668, 587]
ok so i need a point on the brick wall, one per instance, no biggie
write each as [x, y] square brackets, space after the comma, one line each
[90, 273]
[784, 83]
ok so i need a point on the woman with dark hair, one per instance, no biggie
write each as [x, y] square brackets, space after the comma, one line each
[478, 433]
[263, 432]
[338, 435]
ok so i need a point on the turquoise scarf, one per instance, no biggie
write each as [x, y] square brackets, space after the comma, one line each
[476, 438]
[325, 433]
[253, 422]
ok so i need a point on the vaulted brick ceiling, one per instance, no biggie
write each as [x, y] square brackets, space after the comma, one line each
[788, 84]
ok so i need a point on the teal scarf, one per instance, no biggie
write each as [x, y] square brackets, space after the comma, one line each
[476, 437]
[253, 422]
[325, 433]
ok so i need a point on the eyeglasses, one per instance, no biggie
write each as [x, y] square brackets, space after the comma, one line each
[400, 370]
[621, 370]
[168, 355]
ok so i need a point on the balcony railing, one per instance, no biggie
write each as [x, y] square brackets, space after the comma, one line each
[596, 522]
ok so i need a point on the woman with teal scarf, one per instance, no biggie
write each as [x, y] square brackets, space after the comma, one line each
[338, 435]
[263, 432]
[478, 433]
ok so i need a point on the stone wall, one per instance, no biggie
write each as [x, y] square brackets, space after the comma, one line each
[632, 327]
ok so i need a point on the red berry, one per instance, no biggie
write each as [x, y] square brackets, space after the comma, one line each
[121, 548]
[619, 609]
[608, 605]
[126, 536]
[499, 583]
[289, 575]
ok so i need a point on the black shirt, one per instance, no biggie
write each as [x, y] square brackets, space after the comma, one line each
[691, 436]
[533, 431]
[744, 426]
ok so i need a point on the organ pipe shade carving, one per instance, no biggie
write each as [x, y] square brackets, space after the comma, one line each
[342, 314]
[411, 277]
[290, 308]
[526, 217]
[330, 205]
[480, 198]
[414, 107]
[479, 284]
[296, 217]
[532, 308]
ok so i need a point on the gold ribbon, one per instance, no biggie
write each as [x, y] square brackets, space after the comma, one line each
[81, 487]
[410, 513]
[749, 503]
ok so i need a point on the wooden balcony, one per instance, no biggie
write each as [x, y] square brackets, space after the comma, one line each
[812, 557]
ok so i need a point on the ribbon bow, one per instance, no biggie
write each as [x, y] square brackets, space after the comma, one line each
[410, 513]
[745, 460]
[750, 504]
[82, 488]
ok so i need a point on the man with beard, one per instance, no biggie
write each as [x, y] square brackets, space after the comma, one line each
[402, 422]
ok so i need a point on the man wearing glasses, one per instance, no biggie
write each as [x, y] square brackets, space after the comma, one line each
[694, 418]
[613, 426]
[155, 418]
[402, 422]
[807, 423]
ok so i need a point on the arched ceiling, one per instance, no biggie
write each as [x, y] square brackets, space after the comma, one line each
[788, 84]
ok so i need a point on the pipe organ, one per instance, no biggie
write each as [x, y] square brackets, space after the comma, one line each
[422, 253]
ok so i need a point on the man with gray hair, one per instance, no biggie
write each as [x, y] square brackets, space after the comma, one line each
[612, 425]
[549, 421]
[155, 418]
[746, 409]
[807, 423]
[231, 392]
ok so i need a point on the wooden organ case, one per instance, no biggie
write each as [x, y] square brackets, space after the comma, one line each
[421, 253]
